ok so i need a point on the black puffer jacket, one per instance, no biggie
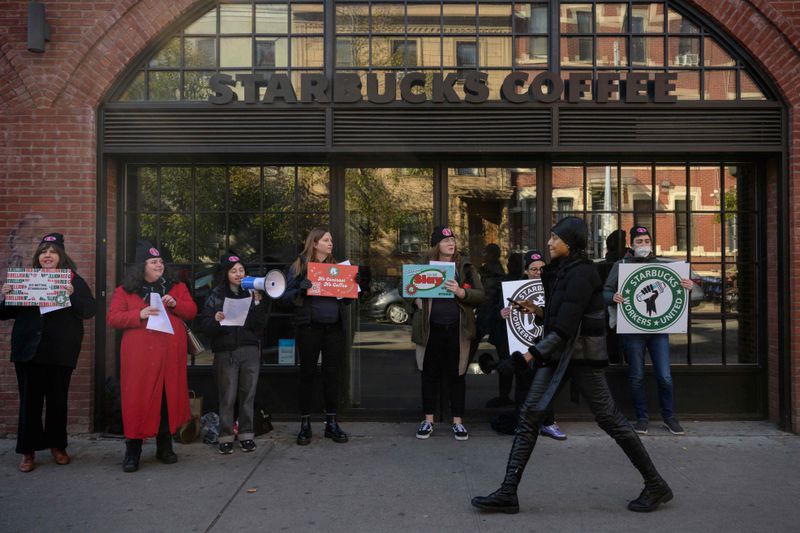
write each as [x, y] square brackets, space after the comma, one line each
[228, 338]
[574, 295]
[54, 338]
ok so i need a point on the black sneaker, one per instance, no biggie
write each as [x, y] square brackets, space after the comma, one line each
[248, 445]
[460, 432]
[226, 448]
[640, 426]
[673, 426]
[424, 430]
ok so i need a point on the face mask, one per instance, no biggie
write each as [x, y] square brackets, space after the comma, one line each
[642, 251]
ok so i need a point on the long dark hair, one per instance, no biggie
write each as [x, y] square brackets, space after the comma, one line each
[134, 277]
[64, 261]
[307, 255]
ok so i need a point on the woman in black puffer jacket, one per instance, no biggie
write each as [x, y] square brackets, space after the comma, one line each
[237, 353]
[573, 344]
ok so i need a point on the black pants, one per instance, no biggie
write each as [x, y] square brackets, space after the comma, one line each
[441, 359]
[40, 384]
[311, 340]
[524, 380]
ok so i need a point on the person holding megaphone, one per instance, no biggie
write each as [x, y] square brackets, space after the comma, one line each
[319, 322]
[237, 353]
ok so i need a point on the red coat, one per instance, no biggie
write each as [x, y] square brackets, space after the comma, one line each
[151, 361]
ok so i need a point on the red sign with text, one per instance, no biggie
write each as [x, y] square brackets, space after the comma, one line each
[338, 281]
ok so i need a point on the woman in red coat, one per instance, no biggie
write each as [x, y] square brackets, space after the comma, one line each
[155, 393]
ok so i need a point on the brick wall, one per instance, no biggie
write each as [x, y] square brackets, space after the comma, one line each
[47, 140]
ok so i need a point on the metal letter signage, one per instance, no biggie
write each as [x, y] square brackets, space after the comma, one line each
[418, 87]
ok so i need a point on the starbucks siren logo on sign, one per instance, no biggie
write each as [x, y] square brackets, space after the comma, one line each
[522, 325]
[653, 298]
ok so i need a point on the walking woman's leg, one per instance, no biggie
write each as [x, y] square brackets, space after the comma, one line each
[593, 387]
[504, 499]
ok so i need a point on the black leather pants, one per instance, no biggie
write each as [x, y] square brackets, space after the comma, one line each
[592, 386]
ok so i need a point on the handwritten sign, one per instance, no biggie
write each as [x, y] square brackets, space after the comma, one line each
[338, 281]
[37, 286]
[427, 281]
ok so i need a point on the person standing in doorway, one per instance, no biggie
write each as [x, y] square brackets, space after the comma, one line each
[44, 349]
[634, 345]
[319, 322]
[443, 330]
[237, 353]
[572, 345]
[153, 379]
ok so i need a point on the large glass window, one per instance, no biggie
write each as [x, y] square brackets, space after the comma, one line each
[701, 213]
[195, 213]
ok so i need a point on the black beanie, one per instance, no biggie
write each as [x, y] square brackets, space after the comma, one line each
[638, 231]
[227, 261]
[53, 238]
[573, 231]
[615, 240]
[440, 233]
[145, 251]
[531, 256]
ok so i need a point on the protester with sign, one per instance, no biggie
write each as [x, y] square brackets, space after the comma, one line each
[155, 392]
[634, 345]
[319, 322]
[534, 262]
[237, 350]
[44, 349]
[573, 344]
[443, 329]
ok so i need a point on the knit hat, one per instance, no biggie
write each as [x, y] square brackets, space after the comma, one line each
[228, 261]
[638, 231]
[144, 251]
[615, 240]
[532, 256]
[440, 233]
[53, 238]
[573, 231]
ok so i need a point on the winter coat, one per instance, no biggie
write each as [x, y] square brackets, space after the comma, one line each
[152, 362]
[228, 338]
[421, 324]
[573, 292]
[53, 338]
[296, 297]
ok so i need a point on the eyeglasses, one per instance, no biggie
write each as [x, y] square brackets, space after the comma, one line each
[534, 269]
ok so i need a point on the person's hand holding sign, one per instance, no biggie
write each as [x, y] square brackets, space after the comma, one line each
[6, 288]
[452, 286]
[169, 301]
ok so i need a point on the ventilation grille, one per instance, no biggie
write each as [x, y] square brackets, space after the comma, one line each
[454, 127]
[664, 127]
[212, 128]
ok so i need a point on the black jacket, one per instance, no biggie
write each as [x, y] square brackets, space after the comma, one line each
[228, 338]
[296, 297]
[54, 338]
[574, 295]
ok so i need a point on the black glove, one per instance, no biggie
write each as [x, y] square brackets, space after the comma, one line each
[520, 364]
[305, 284]
[548, 349]
[357, 279]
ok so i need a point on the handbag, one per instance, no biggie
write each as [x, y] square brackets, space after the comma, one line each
[190, 430]
[193, 344]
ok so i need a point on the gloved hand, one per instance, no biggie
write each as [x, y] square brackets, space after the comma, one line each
[305, 284]
[357, 279]
[539, 360]
[520, 364]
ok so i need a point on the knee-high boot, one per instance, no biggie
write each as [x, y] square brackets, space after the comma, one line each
[656, 491]
[133, 451]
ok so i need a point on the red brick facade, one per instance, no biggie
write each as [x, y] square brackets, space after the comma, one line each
[48, 144]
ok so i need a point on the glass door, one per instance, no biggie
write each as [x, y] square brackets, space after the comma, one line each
[388, 222]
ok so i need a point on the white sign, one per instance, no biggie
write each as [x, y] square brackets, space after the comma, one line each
[235, 311]
[159, 322]
[521, 327]
[653, 299]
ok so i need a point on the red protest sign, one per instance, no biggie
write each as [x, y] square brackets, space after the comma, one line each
[332, 280]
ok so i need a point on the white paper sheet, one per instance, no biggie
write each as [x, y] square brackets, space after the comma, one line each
[235, 311]
[159, 322]
[43, 310]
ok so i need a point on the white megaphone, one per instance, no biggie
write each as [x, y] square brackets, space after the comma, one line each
[274, 283]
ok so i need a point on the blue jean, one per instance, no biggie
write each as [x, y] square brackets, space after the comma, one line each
[658, 345]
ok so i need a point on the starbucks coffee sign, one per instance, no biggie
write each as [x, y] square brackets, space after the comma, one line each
[521, 327]
[653, 299]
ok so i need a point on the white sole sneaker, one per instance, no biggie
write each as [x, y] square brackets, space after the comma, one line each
[465, 437]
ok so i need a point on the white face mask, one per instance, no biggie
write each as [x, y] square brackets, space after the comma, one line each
[642, 251]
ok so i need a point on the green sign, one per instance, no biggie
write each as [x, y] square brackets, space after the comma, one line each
[653, 299]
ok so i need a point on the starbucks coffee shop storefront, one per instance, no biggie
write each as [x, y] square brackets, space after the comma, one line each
[245, 124]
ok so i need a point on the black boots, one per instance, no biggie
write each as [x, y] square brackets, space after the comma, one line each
[164, 451]
[333, 431]
[503, 500]
[304, 437]
[133, 451]
[655, 492]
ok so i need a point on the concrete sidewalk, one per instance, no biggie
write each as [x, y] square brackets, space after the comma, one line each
[727, 476]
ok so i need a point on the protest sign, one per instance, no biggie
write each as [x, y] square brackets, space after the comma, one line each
[338, 281]
[521, 327]
[37, 286]
[653, 299]
[427, 281]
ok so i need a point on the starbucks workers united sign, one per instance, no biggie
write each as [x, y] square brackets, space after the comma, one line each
[653, 299]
